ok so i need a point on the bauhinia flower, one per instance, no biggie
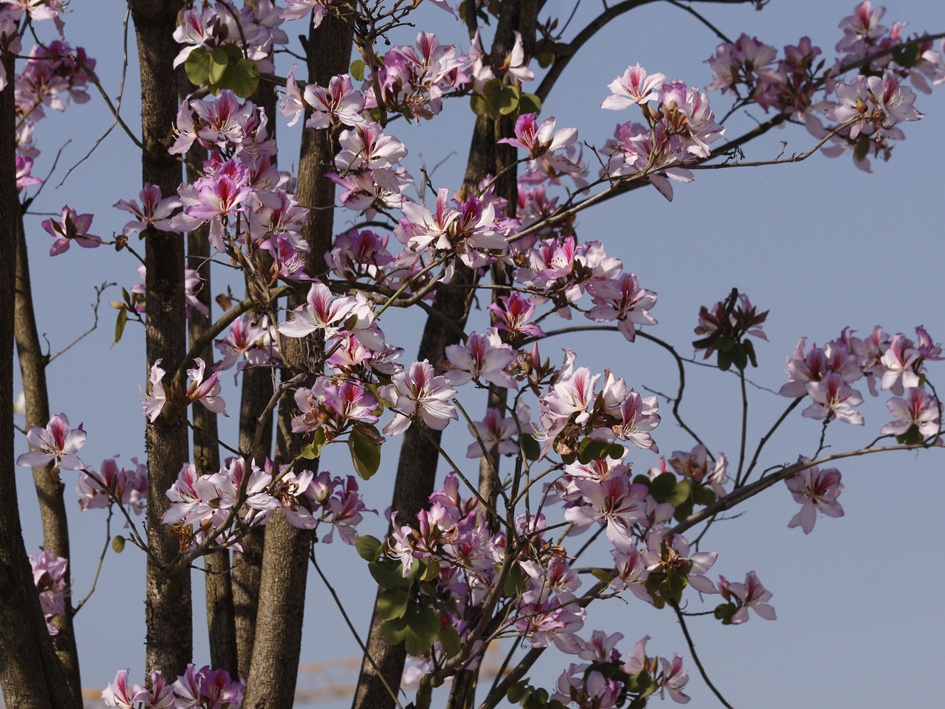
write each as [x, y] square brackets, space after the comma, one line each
[816, 491]
[56, 443]
[417, 392]
[750, 594]
[68, 228]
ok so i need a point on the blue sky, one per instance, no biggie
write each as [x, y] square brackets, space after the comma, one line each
[820, 243]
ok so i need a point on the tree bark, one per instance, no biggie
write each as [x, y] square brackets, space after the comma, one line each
[275, 658]
[416, 470]
[49, 487]
[256, 391]
[221, 621]
[168, 609]
[30, 672]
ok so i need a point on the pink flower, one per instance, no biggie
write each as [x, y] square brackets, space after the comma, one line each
[833, 398]
[482, 357]
[543, 142]
[70, 227]
[322, 311]
[206, 392]
[622, 300]
[418, 392]
[57, 443]
[49, 576]
[158, 397]
[815, 491]
[673, 679]
[338, 104]
[153, 212]
[635, 86]
[919, 409]
[495, 433]
[750, 594]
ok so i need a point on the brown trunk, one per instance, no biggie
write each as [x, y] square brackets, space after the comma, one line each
[168, 613]
[49, 488]
[416, 470]
[221, 623]
[257, 389]
[275, 658]
[31, 674]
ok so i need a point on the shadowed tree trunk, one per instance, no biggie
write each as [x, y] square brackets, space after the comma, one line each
[49, 487]
[256, 390]
[168, 608]
[30, 672]
[416, 470]
[221, 623]
[275, 657]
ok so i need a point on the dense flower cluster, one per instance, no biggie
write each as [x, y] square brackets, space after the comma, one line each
[468, 570]
[195, 688]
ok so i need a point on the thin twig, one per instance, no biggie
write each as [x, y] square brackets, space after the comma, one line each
[695, 656]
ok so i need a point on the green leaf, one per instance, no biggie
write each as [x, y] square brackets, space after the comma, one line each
[449, 640]
[513, 584]
[518, 691]
[423, 628]
[725, 360]
[392, 603]
[602, 575]
[592, 450]
[739, 357]
[387, 574]
[507, 100]
[680, 493]
[703, 495]
[219, 63]
[357, 70]
[724, 344]
[907, 56]
[911, 436]
[365, 454]
[368, 547]
[545, 59]
[118, 543]
[750, 351]
[662, 486]
[862, 148]
[197, 66]
[120, 326]
[529, 103]
[313, 450]
[242, 78]
[393, 632]
[530, 447]
[479, 105]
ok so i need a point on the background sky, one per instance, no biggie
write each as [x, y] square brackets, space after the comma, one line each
[821, 244]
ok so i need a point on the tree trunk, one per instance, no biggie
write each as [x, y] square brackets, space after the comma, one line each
[257, 389]
[49, 488]
[275, 659]
[416, 470]
[30, 672]
[169, 620]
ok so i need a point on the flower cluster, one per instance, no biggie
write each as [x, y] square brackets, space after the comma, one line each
[49, 576]
[607, 680]
[110, 484]
[206, 391]
[865, 110]
[678, 129]
[254, 29]
[897, 363]
[306, 499]
[195, 688]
